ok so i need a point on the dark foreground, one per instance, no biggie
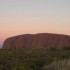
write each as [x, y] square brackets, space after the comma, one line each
[35, 59]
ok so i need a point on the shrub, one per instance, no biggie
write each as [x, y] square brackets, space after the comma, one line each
[66, 48]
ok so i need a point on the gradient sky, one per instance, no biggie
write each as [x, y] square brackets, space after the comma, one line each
[34, 16]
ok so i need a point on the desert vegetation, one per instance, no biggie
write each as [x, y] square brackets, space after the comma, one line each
[35, 59]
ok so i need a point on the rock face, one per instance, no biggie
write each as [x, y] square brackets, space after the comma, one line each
[37, 41]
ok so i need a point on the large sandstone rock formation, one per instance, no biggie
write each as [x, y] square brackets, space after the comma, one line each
[37, 41]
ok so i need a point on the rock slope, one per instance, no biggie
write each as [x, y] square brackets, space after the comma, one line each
[37, 41]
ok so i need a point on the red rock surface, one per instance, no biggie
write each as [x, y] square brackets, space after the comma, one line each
[37, 41]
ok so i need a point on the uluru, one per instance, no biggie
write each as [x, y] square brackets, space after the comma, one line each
[41, 40]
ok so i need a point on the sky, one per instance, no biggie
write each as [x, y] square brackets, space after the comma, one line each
[34, 16]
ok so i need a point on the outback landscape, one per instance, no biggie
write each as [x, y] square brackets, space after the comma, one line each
[34, 34]
[35, 59]
[15, 55]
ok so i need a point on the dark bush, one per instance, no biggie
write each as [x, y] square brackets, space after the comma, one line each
[66, 48]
